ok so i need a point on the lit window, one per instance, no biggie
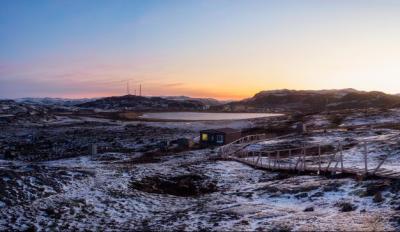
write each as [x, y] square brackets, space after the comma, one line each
[204, 137]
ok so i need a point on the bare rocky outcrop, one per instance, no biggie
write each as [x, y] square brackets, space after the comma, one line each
[185, 185]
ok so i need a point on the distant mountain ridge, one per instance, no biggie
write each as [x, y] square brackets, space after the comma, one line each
[11, 111]
[132, 102]
[48, 101]
[207, 101]
[314, 100]
[283, 100]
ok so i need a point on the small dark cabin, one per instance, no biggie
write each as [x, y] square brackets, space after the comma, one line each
[217, 137]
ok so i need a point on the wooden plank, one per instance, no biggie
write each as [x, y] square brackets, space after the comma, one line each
[384, 172]
[381, 163]
[335, 167]
[394, 173]
[330, 161]
[258, 159]
[297, 163]
[303, 162]
[354, 170]
[389, 174]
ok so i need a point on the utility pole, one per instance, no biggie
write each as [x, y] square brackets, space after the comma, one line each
[140, 90]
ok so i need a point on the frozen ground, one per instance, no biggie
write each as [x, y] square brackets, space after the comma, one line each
[96, 193]
[372, 117]
[189, 125]
[191, 190]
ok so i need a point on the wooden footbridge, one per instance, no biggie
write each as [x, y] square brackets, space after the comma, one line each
[307, 159]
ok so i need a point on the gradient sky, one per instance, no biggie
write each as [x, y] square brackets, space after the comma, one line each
[227, 49]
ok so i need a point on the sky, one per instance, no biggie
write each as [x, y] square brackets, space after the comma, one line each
[226, 49]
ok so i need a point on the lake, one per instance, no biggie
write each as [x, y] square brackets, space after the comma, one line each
[196, 116]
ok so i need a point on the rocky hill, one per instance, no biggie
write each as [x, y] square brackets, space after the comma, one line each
[206, 101]
[12, 111]
[48, 101]
[313, 101]
[131, 102]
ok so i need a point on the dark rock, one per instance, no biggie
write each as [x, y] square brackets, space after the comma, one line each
[31, 228]
[395, 219]
[378, 198]
[281, 228]
[346, 206]
[282, 176]
[301, 195]
[184, 185]
[333, 187]
[309, 209]
[374, 188]
[318, 194]
[245, 222]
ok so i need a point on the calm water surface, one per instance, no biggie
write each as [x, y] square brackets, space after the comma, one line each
[196, 116]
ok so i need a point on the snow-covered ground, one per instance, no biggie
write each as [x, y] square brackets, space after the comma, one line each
[372, 118]
[193, 190]
[97, 194]
[194, 125]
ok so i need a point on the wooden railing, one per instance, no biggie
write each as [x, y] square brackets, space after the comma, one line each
[305, 158]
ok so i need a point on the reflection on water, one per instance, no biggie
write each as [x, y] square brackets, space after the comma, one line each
[194, 116]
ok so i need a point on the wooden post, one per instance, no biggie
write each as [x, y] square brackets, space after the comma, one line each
[298, 162]
[274, 163]
[380, 164]
[304, 160]
[336, 159]
[277, 159]
[259, 157]
[341, 158]
[319, 158]
[330, 161]
[93, 149]
[269, 160]
[365, 158]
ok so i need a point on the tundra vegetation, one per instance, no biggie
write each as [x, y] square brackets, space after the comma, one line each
[144, 177]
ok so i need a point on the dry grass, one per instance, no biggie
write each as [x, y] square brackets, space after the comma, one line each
[374, 223]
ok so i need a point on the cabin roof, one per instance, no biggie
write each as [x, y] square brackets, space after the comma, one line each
[221, 130]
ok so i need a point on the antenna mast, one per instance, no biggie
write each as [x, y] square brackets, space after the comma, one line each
[128, 89]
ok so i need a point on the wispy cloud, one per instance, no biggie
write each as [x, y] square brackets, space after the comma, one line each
[178, 84]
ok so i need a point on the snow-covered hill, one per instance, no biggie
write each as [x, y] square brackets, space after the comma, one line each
[47, 101]
[314, 101]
